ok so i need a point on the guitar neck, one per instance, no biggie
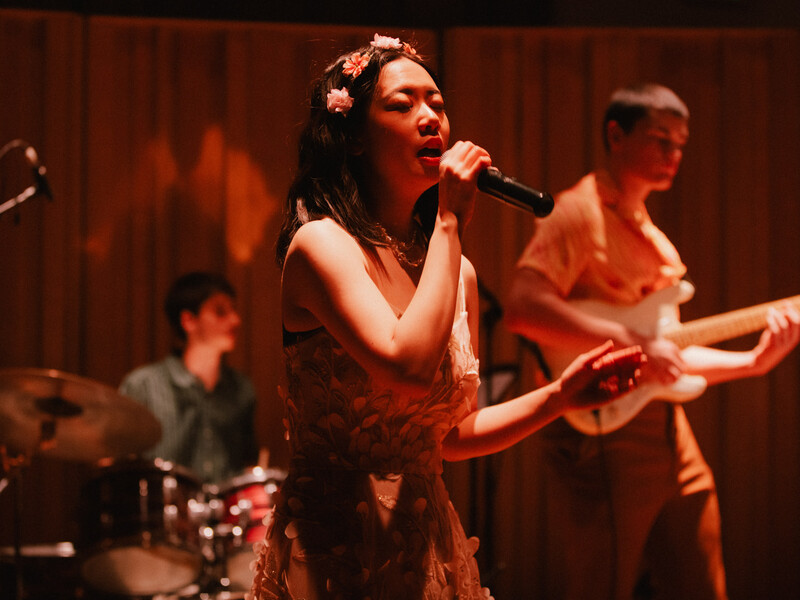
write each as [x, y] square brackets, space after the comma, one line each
[725, 326]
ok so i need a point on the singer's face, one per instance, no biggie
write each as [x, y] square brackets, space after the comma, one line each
[653, 150]
[406, 130]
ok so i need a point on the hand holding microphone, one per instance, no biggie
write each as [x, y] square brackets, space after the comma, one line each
[507, 189]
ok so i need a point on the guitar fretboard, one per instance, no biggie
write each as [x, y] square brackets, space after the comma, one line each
[725, 326]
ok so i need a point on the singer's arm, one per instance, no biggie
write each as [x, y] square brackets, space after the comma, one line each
[494, 428]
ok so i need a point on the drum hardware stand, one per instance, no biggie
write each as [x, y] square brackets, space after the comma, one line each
[12, 470]
[217, 534]
[52, 407]
[11, 466]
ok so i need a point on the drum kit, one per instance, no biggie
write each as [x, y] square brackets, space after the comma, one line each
[149, 529]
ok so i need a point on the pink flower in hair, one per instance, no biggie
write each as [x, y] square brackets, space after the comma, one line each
[355, 64]
[385, 42]
[339, 101]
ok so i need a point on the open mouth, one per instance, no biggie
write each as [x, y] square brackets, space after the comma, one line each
[430, 153]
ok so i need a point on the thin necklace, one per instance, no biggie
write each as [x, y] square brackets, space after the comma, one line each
[411, 253]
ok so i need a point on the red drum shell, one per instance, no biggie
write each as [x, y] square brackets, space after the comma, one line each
[253, 490]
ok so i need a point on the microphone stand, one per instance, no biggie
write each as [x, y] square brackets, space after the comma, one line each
[31, 190]
[11, 466]
[489, 320]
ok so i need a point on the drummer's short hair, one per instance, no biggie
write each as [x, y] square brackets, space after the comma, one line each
[188, 292]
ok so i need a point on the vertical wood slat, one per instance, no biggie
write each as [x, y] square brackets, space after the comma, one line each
[783, 212]
[743, 424]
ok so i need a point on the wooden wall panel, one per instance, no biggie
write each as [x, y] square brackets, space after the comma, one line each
[41, 101]
[782, 521]
[170, 146]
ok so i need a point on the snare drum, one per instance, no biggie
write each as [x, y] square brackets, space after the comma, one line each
[248, 499]
[139, 533]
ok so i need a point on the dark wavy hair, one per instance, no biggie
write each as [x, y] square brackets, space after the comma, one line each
[329, 178]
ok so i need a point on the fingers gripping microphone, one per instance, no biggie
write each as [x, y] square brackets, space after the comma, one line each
[491, 181]
[39, 173]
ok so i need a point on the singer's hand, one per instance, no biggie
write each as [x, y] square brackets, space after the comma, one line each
[458, 176]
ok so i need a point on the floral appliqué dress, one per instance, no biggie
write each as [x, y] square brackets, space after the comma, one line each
[363, 512]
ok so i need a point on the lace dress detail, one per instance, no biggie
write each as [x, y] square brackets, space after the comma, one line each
[363, 512]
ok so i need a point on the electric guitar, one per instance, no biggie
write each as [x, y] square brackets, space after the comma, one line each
[657, 316]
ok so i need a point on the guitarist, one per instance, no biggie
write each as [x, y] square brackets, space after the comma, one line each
[642, 494]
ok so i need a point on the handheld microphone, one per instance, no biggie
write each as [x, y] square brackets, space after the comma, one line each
[39, 173]
[491, 181]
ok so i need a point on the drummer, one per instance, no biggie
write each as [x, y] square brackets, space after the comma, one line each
[206, 408]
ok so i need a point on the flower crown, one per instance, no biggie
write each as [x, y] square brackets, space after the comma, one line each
[339, 100]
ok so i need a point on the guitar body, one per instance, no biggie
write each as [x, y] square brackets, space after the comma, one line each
[656, 316]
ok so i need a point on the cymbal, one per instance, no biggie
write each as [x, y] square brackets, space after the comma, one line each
[56, 414]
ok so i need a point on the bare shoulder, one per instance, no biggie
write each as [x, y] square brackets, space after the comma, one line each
[319, 243]
[316, 234]
[322, 260]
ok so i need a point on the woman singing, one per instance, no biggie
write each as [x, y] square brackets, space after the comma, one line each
[380, 316]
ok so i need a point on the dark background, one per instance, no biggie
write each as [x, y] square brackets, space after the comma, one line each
[439, 14]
